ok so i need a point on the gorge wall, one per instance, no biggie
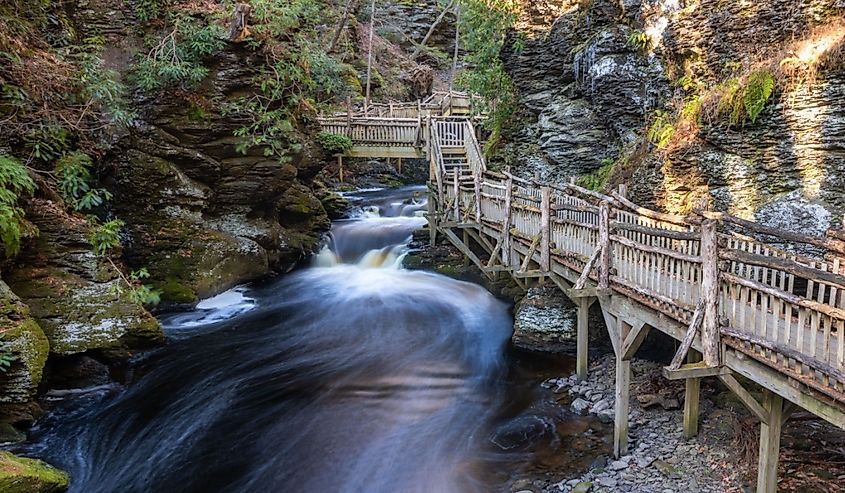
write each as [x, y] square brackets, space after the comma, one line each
[643, 92]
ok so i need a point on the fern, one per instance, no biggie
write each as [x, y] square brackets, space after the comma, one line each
[758, 91]
[14, 182]
[639, 40]
[661, 131]
[73, 174]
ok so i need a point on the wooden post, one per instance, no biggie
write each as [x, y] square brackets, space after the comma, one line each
[545, 228]
[399, 165]
[457, 196]
[604, 244]
[767, 468]
[340, 167]
[476, 178]
[710, 293]
[691, 399]
[622, 394]
[349, 116]
[582, 347]
[432, 218]
[506, 223]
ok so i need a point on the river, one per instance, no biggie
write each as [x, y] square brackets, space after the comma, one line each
[350, 375]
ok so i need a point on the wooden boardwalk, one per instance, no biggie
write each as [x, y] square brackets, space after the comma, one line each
[730, 291]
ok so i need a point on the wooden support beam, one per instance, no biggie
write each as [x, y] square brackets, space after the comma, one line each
[767, 467]
[507, 249]
[745, 397]
[575, 294]
[530, 254]
[634, 339]
[583, 335]
[694, 370]
[692, 397]
[610, 321]
[697, 318]
[622, 396]
[462, 247]
[494, 255]
[582, 279]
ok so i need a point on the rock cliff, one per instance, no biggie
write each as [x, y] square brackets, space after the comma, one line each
[601, 75]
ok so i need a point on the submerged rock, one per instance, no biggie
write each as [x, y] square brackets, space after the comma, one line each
[545, 320]
[23, 475]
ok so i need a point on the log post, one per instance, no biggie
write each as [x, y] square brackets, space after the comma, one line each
[340, 167]
[710, 293]
[604, 244]
[457, 187]
[506, 223]
[691, 399]
[545, 228]
[767, 468]
[476, 179]
[622, 394]
[582, 347]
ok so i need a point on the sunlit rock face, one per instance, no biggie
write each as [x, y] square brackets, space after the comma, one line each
[589, 95]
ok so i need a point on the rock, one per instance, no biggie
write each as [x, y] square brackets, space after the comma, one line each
[618, 465]
[523, 432]
[580, 406]
[607, 482]
[545, 321]
[23, 475]
[607, 415]
[667, 469]
[10, 434]
[23, 337]
[582, 487]
[73, 293]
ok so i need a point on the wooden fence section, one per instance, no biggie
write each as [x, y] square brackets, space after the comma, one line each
[783, 309]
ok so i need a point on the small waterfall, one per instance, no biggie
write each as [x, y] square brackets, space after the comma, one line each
[351, 376]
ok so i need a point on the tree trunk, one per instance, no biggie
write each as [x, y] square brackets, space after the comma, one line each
[431, 29]
[350, 6]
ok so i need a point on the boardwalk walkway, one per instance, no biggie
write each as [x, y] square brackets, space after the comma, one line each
[730, 291]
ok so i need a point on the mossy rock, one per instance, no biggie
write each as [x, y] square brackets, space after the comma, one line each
[23, 475]
[23, 337]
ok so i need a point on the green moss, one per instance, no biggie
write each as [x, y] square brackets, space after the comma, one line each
[22, 475]
[177, 291]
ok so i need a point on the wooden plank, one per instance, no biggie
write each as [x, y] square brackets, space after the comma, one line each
[788, 297]
[781, 234]
[663, 233]
[694, 370]
[653, 249]
[506, 227]
[622, 395]
[784, 264]
[668, 218]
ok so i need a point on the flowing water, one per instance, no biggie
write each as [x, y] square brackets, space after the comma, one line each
[352, 375]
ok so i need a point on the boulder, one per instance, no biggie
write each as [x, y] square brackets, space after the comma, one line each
[73, 294]
[24, 339]
[545, 320]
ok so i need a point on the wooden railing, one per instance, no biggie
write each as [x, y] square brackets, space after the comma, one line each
[727, 279]
[376, 132]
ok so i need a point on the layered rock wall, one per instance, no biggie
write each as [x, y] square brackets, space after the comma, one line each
[592, 81]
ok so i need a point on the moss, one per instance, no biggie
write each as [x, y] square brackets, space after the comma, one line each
[23, 336]
[22, 475]
[177, 291]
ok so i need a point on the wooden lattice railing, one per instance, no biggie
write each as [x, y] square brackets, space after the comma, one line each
[728, 279]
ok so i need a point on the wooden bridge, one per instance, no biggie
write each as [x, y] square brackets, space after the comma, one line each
[734, 294]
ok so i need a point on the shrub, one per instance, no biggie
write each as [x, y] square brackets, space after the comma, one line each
[177, 58]
[639, 40]
[14, 182]
[758, 90]
[106, 236]
[334, 143]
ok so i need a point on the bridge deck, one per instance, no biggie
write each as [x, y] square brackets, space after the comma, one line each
[730, 289]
